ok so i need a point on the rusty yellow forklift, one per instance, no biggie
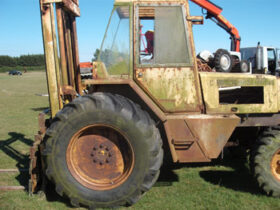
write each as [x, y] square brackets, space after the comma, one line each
[101, 145]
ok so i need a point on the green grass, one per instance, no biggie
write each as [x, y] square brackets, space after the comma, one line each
[225, 184]
[5, 69]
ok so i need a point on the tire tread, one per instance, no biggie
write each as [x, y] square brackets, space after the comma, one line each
[112, 103]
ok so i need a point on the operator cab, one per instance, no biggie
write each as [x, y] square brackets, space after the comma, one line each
[271, 59]
[152, 45]
[159, 33]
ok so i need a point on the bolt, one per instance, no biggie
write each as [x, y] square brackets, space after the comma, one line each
[107, 161]
[110, 155]
[101, 146]
[107, 149]
[91, 154]
[94, 161]
[100, 163]
[94, 148]
[140, 74]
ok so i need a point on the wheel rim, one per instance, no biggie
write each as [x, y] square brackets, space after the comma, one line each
[100, 157]
[244, 67]
[225, 62]
[275, 164]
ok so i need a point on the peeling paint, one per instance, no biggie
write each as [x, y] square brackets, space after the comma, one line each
[173, 88]
[222, 80]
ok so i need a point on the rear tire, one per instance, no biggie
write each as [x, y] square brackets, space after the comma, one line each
[223, 61]
[265, 161]
[102, 150]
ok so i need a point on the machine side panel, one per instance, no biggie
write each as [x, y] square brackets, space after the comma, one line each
[173, 89]
[239, 93]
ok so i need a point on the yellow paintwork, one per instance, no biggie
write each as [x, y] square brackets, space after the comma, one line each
[172, 88]
[211, 82]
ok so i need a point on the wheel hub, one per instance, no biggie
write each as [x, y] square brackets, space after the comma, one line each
[275, 164]
[244, 67]
[225, 62]
[101, 154]
[99, 157]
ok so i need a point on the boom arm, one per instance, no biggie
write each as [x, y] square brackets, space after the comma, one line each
[214, 11]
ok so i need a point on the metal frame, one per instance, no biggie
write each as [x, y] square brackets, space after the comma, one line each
[62, 68]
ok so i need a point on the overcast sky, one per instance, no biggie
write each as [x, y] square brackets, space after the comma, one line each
[20, 26]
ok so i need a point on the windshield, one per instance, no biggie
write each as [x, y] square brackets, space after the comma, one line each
[115, 47]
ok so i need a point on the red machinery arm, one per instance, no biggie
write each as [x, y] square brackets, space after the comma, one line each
[214, 11]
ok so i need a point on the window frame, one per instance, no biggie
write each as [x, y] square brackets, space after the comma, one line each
[137, 41]
[271, 50]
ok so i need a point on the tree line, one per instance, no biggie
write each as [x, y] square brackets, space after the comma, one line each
[23, 60]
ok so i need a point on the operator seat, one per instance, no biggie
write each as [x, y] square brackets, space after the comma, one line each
[149, 35]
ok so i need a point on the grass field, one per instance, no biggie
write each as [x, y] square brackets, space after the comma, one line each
[225, 184]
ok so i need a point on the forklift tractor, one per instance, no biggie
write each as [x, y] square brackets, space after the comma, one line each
[106, 137]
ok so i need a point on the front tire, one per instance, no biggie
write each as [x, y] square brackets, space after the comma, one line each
[265, 161]
[102, 150]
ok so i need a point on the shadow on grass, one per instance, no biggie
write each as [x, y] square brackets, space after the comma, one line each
[167, 176]
[238, 179]
[40, 109]
[23, 165]
[22, 159]
[53, 196]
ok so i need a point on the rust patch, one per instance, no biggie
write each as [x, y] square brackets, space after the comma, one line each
[183, 145]
[275, 165]
[35, 168]
[203, 67]
[68, 90]
[99, 157]
[173, 89]
[212, 131]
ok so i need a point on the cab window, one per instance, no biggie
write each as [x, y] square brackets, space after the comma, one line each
[162, 36]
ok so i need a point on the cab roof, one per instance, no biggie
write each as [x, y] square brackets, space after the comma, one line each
[151, 1]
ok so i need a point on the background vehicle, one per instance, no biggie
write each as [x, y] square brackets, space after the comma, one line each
[222, 60]
[102, 146]
[15, 72]
[264, 59]
[86, 70]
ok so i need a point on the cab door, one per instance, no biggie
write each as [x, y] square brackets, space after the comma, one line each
[163, 57]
